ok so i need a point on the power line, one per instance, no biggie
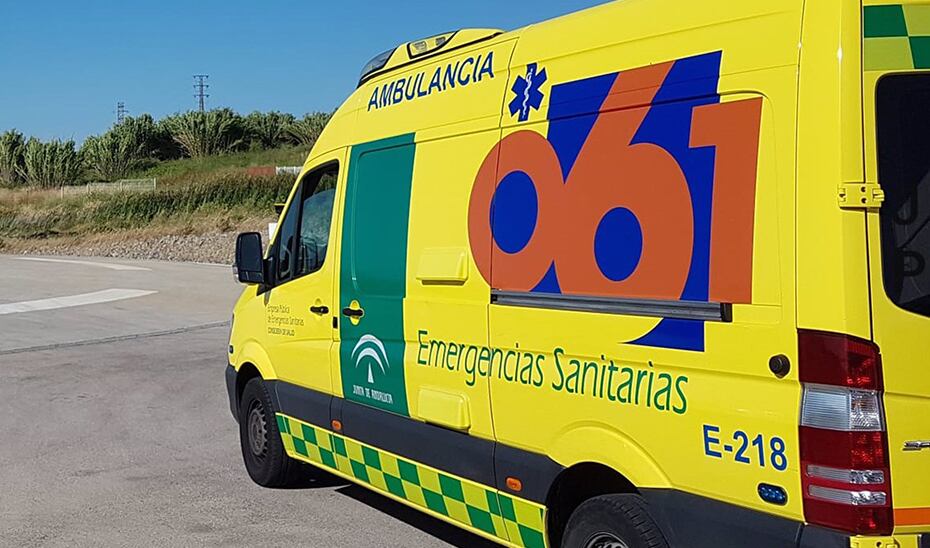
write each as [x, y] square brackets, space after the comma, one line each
[121, 112]
[201, 86]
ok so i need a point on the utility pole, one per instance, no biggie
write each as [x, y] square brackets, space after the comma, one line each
[201, 85]
[121, 112]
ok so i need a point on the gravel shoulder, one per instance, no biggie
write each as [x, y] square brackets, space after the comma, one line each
[217, 247]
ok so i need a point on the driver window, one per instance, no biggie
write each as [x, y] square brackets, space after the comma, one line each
[287, 231]
[319, 193]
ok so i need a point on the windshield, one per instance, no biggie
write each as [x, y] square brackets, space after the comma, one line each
[903, 122]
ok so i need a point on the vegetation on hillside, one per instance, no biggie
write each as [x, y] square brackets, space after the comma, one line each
[36, 163]
[50, 164]
[197, 157]
[192, 170]
[308, 129]
[270, 129]
[141, 144]
[202, 134]
[12, 171]
[112, 155]
[45, 215]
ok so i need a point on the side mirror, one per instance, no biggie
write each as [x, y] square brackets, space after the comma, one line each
[250, 261]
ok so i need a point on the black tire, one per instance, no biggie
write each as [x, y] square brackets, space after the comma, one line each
[262, 449]
[612, 521]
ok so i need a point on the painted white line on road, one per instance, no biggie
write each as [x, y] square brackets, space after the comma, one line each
[111, 266]
[105, 296]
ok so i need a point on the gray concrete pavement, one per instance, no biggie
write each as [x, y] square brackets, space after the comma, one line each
[184, 296]
[129, 442]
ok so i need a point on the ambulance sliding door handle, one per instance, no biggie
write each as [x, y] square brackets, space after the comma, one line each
[319, 310]
[353, 312]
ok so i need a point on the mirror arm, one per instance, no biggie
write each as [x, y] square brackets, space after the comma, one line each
[267, 269]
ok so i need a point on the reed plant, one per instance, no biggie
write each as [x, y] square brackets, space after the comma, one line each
[52, 163]
[202, 134]
[307, 130]
[12, 170]
[268, 130]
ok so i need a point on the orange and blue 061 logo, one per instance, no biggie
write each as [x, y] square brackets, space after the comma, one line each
[644, 188]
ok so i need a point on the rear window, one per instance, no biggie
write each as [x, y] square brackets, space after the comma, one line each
[903, 121]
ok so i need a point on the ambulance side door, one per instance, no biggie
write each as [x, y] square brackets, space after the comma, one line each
[300, 305]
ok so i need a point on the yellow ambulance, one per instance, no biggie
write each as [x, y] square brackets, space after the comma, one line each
[651, 274]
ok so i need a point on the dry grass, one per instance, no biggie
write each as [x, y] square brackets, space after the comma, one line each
[222, 200]
[195, 218]
[24, 197]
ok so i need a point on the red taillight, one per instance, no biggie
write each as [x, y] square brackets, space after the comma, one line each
[849, 450]
[845, 470]
[839, 360]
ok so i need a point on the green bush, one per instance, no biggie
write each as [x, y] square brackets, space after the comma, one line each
[51, 164]
[202, 134]
[134, 143]
[129, 145]
[308, 129]
[112, 155]
[11, 159]
[154, 137]
[268, 130]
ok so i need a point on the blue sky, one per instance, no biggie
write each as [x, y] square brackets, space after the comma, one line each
[65, 64]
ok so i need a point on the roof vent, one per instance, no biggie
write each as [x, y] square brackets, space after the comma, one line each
[412, 52]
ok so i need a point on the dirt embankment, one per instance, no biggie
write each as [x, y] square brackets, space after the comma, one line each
[211, 247]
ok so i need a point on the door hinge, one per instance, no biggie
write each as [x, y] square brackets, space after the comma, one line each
[861, 196]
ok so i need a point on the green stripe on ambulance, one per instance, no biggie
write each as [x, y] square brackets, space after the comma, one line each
[374, 270]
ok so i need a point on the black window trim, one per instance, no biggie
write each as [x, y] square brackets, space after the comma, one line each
[884, 259]
[298, 202]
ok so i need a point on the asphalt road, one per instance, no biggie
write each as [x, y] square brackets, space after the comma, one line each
[115, 429]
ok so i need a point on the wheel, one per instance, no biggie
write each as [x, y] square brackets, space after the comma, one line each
[262, 449]
[612, 521]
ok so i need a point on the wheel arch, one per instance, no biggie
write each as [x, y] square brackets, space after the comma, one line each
[574, 486]
[246, 373]
[252, 362]
[598, 460]
[252, 353]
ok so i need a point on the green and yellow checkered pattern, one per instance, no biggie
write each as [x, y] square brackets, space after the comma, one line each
[897, 37]
[512, 520]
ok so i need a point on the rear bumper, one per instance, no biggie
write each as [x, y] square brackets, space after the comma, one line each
[691, 521]
[896, 541]
[231, 390]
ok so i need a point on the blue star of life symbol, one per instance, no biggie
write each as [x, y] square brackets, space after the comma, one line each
[529, 97]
